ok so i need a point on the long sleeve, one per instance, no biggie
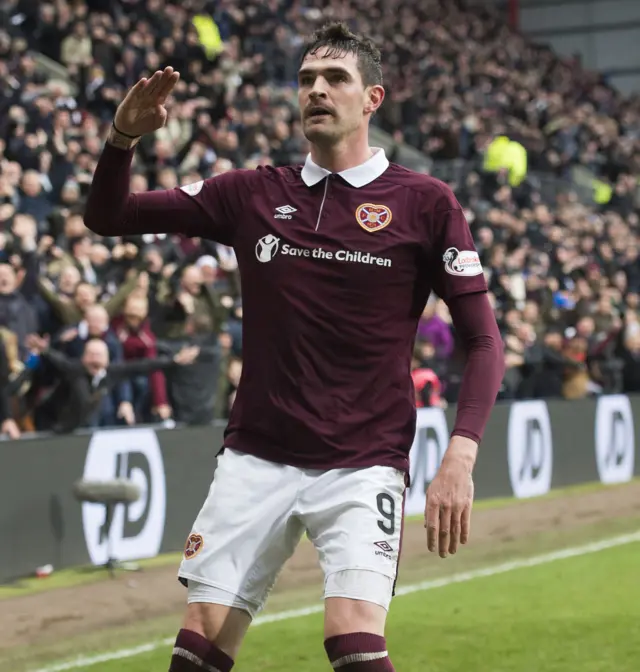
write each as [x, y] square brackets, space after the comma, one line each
[116, 303]
[158, 385]
[112, 210]
[476, 326]
[29, 285]
[65, 365]
[143, 366]
[202, 210]
[123, 391]
[65, 311]
[157, 381]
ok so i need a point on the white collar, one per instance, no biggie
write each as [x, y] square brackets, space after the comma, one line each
[358, 176]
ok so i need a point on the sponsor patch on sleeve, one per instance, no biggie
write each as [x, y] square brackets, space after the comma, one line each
[193, 189]
[464, 263]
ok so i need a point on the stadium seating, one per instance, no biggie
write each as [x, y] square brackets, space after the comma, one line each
[542, 155]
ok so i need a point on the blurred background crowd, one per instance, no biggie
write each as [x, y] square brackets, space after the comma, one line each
[97, 331]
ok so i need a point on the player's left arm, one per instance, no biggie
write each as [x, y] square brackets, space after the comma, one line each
[459, 280]
[476, 326]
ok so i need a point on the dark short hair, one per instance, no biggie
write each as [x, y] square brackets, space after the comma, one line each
[338, 39]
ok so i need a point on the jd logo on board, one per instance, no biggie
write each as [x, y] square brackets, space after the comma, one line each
[615, 439]
[137, 529]
[530, 448]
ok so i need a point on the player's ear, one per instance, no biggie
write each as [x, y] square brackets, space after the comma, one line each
[374, 98]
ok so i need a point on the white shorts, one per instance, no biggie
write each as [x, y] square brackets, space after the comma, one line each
[257, 511]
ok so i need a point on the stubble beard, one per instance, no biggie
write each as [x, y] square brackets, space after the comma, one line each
[322, 135]
[326, 136]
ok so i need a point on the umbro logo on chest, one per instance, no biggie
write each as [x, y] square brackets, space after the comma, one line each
[284, 212]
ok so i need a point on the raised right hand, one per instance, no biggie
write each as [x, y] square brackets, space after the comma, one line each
[143, 111]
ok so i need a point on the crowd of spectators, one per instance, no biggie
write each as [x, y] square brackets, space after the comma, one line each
[564, 276]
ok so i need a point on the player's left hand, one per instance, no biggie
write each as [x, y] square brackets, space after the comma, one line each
[450, 498]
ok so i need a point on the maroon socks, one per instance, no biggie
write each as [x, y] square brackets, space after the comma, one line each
[355, 652]
[194, 653]
[358, 652]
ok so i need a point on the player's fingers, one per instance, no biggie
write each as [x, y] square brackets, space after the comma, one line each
[445, 530]
[150, 90]
[454, 537]
[166, 92]
[432, 523]
[164, 78]
[137, 90]
[167, 86]
[138, 87]
[465, 524]
[168, 76]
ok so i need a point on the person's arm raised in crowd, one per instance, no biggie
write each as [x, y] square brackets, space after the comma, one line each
[186, 356]
[30, 266]
[115, 304]
[64, 309]
[203, 209]
[40, 348]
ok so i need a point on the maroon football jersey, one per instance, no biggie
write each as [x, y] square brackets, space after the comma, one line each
[336, 270]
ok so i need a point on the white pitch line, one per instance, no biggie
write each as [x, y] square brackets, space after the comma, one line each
[576, 551]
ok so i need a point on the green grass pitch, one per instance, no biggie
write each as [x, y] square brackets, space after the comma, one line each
[576, 615]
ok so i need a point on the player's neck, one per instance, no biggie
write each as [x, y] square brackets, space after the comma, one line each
[342, 156]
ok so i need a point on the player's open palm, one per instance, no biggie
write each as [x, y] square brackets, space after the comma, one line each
[448, 508]
[143, 109]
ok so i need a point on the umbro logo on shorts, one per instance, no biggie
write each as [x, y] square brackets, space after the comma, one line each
[384, 546]
[385, 549]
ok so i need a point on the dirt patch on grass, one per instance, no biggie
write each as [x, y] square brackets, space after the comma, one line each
[68, 612]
